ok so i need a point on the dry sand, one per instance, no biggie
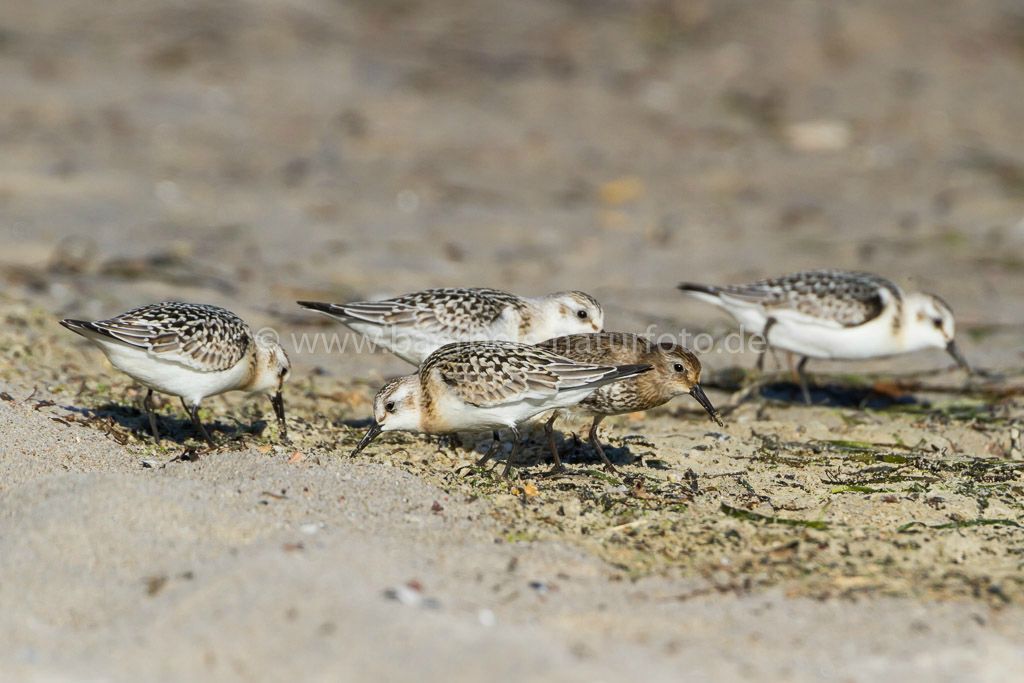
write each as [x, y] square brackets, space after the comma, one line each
[246, 565]
[252, 153]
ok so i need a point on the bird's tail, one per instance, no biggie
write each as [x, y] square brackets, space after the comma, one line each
[323, 307]
[373, 312]
[336, 311]
[709, 293]
[691, 287]
[84, 328]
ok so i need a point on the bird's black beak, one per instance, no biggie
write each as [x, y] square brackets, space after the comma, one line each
[703, 399]
[953, 350]
[277, 400]
[372, 433]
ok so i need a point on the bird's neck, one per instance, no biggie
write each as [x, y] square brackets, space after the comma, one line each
[533, 318]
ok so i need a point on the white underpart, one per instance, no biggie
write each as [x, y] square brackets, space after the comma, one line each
[821, 339]
[459, 415]
[751, 316]
[170, 377]
[413, 344]
[826, 339]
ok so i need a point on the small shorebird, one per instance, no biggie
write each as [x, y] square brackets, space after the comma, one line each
[675, 371]
[191, 351]
[477, 386]
[415, 325]
[835, 315]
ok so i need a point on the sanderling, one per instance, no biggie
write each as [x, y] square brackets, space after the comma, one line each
[415, 325]
[489, 385]
[191, 351]
[835, 315]
[675, 371]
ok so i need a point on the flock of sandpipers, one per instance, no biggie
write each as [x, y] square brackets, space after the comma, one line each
[489, 360]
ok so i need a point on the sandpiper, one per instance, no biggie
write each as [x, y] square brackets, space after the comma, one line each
[477, 386]
[835, 315]
[675, 371]
[191, 351]
[415, 325]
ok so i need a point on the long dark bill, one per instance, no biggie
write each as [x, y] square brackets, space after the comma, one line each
[277, 400]
[372, 433]
[703, 399]
[954, 350]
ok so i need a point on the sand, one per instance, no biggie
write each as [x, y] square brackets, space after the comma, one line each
[251, 154]
[245, 565]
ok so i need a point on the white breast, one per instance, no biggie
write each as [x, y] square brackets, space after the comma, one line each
[408, 343]
[458, 415]
[413, 344]
[873, 339]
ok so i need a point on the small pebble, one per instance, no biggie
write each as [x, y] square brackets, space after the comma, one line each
[405, 595]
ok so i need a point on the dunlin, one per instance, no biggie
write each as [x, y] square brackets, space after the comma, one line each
[675, 371]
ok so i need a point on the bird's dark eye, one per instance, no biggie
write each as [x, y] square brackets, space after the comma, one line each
[389, 406]
[678, 367]
[938, 322]
[582, 315]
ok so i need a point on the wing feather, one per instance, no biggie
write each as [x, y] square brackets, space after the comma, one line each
[828, 298]
[202, 337]
[454, 312]
[489, 374]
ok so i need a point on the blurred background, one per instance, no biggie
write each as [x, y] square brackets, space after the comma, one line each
[253, 152]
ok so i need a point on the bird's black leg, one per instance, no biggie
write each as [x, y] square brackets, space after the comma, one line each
[764, 352]
[549, 430]
[193, 412]
[449, 441]
[802, 376]
[513, 454]
[277, 401]
[147, 403]
[495, 442]
[596, 443]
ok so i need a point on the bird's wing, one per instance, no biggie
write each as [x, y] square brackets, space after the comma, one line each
[459, 313]
[198, 336]
[828, 298]
[489, 374]
[453, 312]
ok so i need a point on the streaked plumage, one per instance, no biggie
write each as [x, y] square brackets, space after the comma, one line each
[415, 325]
[191, 351]
[835, 314]
[830, 296]
[476, 386]
[675, 371]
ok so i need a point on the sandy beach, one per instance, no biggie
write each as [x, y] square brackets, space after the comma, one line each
[250, 154]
